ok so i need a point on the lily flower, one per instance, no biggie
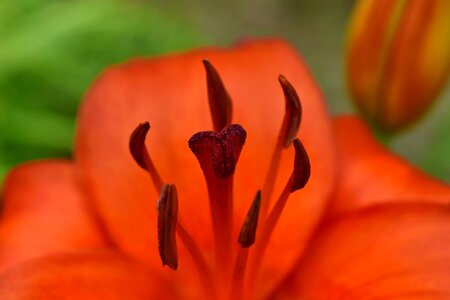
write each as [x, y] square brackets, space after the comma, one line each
[398, 58]
[259, 193]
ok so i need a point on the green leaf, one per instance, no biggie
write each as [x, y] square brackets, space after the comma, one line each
[52, 50]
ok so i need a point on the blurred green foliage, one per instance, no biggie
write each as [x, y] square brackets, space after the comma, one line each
[427, 143]
[50, 51]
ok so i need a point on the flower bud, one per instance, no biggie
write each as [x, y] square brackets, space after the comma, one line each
[398, 58]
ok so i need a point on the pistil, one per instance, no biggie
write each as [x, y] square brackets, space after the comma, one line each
[288, 132]
[218, 154]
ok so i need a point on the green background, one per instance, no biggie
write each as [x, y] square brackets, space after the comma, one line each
[50, 51]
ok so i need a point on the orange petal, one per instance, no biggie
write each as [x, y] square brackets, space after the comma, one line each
[88, 276]
[370, 174]
[170, 92]
[44, 212]
[386, 252]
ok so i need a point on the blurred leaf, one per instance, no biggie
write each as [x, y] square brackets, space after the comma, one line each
[437, 158]
[52, 50]
[427, 143]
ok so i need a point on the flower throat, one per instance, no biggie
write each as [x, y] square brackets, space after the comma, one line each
[218, 152]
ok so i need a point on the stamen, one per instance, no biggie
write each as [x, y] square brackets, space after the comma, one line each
[246, 239]
[199, 261]
[167, 207]
[218, 153]
[293, 115]
[220, 103]
[248, 231]
[167, 243]
[140, 154]
[302, 167]
[288, 132]
[169, 191]
[297, 180]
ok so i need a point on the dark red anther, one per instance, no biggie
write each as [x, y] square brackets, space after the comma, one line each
[220, 103]
[247, 235]
[137, 144]
[302, 167]
[219, 150]
[293, 114]
[167, 207]
[139, 152]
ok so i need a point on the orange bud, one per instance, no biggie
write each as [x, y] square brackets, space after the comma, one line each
[398, 58]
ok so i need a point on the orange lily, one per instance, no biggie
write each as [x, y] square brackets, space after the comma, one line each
[365, 225]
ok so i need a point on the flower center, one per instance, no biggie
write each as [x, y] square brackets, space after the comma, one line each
[218, 153]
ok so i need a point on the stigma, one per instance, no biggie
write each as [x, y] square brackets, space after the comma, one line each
[217, 152]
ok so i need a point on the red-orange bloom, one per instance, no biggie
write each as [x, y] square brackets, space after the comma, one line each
[365, 225]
